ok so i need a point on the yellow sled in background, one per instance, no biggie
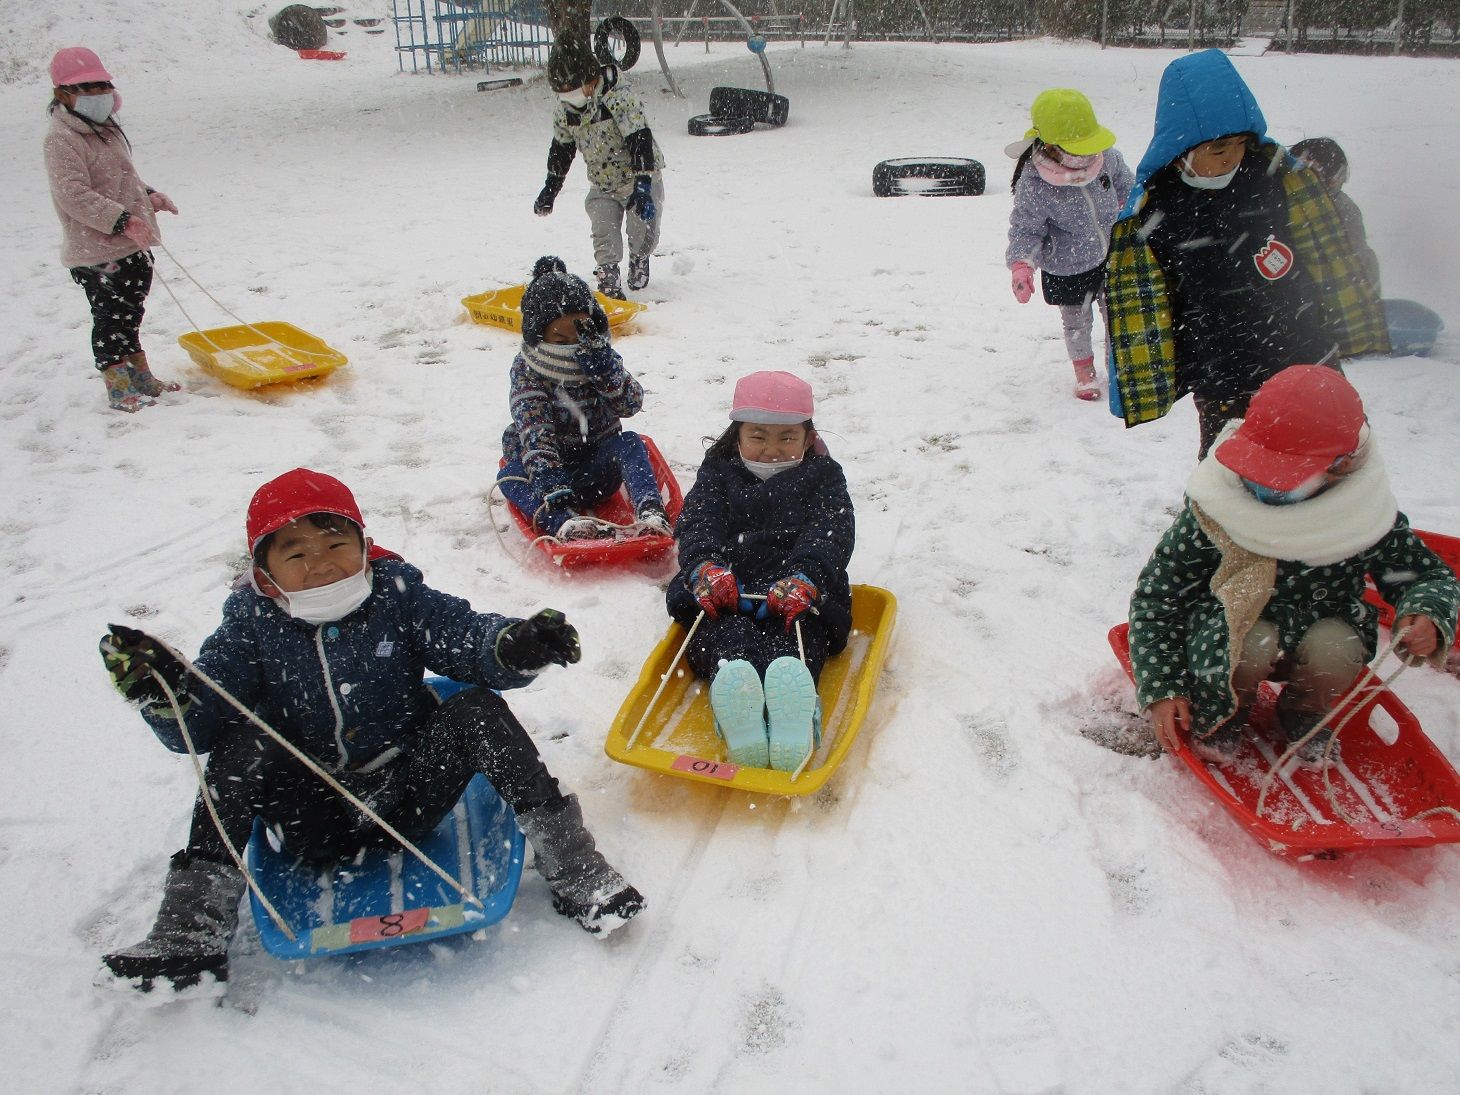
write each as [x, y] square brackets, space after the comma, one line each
[678, 737]
[252, 355]
[503, 308]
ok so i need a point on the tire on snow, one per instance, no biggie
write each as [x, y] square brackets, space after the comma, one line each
[743, 102]
[299, 27]
[616, 26]
[928, 176]
[707, 125]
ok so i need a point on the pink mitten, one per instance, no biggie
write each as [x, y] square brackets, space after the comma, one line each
[1022, 282]
[138, 232]
[161, 203]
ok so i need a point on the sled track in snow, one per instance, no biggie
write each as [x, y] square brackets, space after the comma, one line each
[654, 948]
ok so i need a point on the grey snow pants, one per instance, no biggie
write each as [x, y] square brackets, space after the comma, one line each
[607, 217]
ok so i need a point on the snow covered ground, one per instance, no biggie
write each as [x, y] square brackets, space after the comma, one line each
[985, 899]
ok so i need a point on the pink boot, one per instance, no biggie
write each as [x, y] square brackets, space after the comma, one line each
[1086, 386]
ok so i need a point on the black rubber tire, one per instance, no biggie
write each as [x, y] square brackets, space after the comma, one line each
[299, 26]
[707, 125]
[743, 102]
[497, 85]
[603, 45]
[929, 176]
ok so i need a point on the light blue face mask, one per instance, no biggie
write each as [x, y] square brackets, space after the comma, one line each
[95, 108]
[1268, 496]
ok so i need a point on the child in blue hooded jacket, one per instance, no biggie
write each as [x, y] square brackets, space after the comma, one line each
[328, 640]
[764, 540]
[1229, 261]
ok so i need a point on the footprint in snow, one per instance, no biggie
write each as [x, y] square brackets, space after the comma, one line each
[768, 1022]
[1020, 1046]
[1239, 1065]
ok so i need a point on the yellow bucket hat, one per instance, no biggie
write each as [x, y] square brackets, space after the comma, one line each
[1064, 117]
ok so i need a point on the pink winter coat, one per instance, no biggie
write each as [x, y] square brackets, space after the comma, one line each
[92, 182]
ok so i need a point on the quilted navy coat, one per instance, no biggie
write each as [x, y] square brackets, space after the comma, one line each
[799, 520]
[345, 692]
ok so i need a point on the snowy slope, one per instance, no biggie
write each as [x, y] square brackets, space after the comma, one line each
[984, 899]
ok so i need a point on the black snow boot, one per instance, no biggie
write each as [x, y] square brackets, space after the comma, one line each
[193, 928]
[584, 886]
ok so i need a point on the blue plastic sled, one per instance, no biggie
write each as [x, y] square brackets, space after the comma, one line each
[1413, 328]
[389, 898]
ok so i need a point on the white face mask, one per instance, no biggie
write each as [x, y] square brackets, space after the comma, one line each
[326, 604]
[95, 108]
[764, 471]
[1203, 182]
[575, 98]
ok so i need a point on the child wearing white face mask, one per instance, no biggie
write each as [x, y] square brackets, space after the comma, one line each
[328, 640]
[108, 221]
[1060, 222]
[1228, 262]
[764, 539]
[600, 116]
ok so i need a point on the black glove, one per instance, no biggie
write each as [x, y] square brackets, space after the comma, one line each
[132, 656]
[595, 356]
[545, 639]
[549, 194]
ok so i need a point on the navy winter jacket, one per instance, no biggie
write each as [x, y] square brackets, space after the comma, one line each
[799, 520]
[344, 692]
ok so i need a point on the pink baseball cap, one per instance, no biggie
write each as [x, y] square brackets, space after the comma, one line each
[77, 65]
[771, 398]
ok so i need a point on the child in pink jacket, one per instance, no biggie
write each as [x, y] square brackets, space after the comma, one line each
[108, 221]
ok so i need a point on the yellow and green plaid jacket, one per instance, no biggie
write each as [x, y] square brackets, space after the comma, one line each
[1142, 339]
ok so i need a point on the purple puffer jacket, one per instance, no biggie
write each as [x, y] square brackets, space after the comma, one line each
[1066, 229]
[92, 182]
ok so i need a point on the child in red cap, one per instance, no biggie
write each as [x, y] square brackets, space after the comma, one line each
[765, 535]
[1261, 577]
[327, 640]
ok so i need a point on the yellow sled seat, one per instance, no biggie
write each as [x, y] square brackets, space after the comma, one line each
[255, 354]
[679, 739]
[503, 308]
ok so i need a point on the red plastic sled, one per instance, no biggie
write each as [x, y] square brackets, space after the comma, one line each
[321, 55]
[616, 508]
[1446, 547]
[1392, 788]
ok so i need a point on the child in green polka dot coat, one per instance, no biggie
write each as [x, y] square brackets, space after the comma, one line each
[1282, 523]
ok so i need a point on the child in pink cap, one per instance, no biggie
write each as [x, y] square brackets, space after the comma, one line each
[108, 221]
[1261, 577]
[764, 540]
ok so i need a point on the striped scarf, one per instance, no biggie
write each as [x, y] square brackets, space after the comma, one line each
[555, 361]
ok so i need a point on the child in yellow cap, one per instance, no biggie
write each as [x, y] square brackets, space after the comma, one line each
[1062, 213]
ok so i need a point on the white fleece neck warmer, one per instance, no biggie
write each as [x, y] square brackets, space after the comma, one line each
[1349, 517]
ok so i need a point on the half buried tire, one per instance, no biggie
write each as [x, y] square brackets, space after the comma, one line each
[707, 125]
[931, 176]
[743, 102]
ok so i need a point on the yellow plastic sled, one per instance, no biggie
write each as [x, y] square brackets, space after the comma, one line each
[679, 739]
[503, 308]
[255, 354]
